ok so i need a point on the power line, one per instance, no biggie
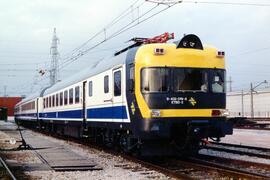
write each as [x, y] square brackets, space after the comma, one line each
[113, 22]
[250, 52]
[81, 53]
[118, 32]
[18, 70]
[16, 64]
[226, 3]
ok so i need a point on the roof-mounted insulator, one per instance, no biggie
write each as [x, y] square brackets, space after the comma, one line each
[163, 38]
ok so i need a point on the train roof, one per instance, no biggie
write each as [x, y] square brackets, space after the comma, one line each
[29, 98]
[105, 64]
[101, 66]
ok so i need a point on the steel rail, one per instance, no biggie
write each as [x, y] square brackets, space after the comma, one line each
[225, 148]
[242, 146]
[253, 128]
[176, 173]
[7, 169]
[227, 170]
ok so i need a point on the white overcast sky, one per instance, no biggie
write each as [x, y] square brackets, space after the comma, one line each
[242, 31]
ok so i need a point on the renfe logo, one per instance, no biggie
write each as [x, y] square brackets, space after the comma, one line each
[192, 101]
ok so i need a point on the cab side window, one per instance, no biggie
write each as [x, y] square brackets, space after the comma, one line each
[117, 83]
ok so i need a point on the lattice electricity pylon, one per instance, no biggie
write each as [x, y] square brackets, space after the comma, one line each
[54, 70]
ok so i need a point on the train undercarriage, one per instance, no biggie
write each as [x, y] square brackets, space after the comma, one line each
[185, 139]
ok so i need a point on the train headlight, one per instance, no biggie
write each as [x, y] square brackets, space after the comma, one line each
[155, 113]
[225, 112]
[220, 113]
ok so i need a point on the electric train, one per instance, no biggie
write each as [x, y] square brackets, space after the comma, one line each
[152, 97]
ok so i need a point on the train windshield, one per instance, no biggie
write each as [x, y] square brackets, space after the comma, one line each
[217, 81]
[185, 79]
[155, 80]
[182, 79]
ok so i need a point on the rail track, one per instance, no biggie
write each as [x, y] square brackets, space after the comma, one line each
[251, 123]
[200, 167]
[179, 168]
[197, 168]
[240, 149]
[5, 172]
[253, 128]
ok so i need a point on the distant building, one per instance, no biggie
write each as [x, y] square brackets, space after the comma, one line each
[9, 103]
[239, 103]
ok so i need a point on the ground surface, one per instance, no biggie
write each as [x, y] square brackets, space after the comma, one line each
[260, 138]
[114, 167]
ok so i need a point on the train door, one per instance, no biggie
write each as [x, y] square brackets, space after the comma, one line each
[37, 112]
[84, 112]
[105, 113]
[117, 92]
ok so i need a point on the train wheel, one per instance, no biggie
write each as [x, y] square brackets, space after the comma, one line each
[124, 145]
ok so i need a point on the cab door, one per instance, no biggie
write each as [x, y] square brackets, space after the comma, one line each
[105, 113]
[118, 108]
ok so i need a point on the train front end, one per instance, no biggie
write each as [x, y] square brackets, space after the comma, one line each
[179, 94]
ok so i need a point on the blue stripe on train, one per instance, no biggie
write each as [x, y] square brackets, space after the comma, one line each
[116, 112]
[62, 114]
[29, 114]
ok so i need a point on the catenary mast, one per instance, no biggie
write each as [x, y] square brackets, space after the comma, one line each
[54, 70]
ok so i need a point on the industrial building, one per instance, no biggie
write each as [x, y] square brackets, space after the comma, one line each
[243, 104]
[9, 104]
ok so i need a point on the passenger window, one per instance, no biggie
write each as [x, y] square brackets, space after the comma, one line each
[65, 97]
[53, 100]
[47, 102]
[57, 100]
[61, 98]
[50, 101]
[77, 94]
[33, 105]
[117, 83]
[90, 86]
[106, 84]
[70, 96]
[44, 103]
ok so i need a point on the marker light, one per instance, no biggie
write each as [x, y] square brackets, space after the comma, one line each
[155, 113]
[159, 51]
[220, 54]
